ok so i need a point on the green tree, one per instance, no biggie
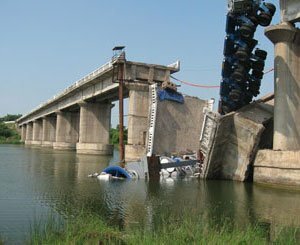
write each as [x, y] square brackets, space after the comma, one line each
[10, 117]
[5, 131]
[114, 135]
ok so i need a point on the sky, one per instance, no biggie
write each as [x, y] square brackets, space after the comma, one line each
[46, 46]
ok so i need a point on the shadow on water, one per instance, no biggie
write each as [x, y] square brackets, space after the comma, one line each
[35, 182]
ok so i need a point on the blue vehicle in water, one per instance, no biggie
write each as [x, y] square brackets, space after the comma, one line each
[243, 64]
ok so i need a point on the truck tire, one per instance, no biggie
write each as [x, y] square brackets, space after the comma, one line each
[264, 19]
[261, 54]
[247, 31]
[239, 76]
[258, 65]
[242, 54]
[257, 74]
[235, 95]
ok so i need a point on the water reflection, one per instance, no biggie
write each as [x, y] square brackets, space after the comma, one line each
[34, 181]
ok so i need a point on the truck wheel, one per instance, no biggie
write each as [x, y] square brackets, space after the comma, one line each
[264, 19]
[247, 31]
[257, 74]
[261, 54]
[235, 95]
[239, 76]
[258, 65]
[271, 8]
[242, 54]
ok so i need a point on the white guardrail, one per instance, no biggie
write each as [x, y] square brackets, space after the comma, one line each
[77, 84]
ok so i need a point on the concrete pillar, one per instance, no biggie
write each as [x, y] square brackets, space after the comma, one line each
[286, 39]
[37, 132]
[94, 129]
[137, 121]
[23, 132]
[29, 133]
[49, 131]
[67, 125]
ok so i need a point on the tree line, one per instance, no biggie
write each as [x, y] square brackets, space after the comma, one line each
[9, 134]
[10, 117]
[114, 135]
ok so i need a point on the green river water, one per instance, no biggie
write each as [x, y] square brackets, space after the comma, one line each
[36, 182]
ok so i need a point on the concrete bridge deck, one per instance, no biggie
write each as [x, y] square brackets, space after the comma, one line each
[80, 117]
[98, 86]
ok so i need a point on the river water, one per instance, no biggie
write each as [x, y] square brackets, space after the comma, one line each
[36, 182]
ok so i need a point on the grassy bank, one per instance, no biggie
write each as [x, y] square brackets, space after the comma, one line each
[91, 229]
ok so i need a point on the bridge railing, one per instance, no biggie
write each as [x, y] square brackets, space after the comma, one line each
[78, 83]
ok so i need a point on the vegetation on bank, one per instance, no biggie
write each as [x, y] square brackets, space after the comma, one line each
[114, 135]
[10, 117]
[91, 229]
[9, 134]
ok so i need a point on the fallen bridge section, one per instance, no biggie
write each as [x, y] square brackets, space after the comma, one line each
[175, 127]
[230, 142]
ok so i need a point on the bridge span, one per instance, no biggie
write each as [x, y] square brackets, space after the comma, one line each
[79, 118]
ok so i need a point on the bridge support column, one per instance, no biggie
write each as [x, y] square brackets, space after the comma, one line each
[286, 39]
[94, 129]
[23, 133]
[49, 131]
[37, 132]
[282, 165]
[29, 133]
[67, 125]
[137, 121]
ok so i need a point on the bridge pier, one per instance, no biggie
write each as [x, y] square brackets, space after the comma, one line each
[29, 133]
[49, 131]
[37, 132]
[281, 165]
[94, 129]
[137, 121]
[23, 133]
[67, 125]
[286, 39]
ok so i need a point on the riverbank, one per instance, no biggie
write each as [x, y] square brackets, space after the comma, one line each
[11, 141]
[91, 229]
[9, 134]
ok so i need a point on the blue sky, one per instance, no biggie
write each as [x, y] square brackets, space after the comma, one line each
[48, 45]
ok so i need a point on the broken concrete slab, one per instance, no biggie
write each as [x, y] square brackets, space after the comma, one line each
[236, 140]
[178, 126]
